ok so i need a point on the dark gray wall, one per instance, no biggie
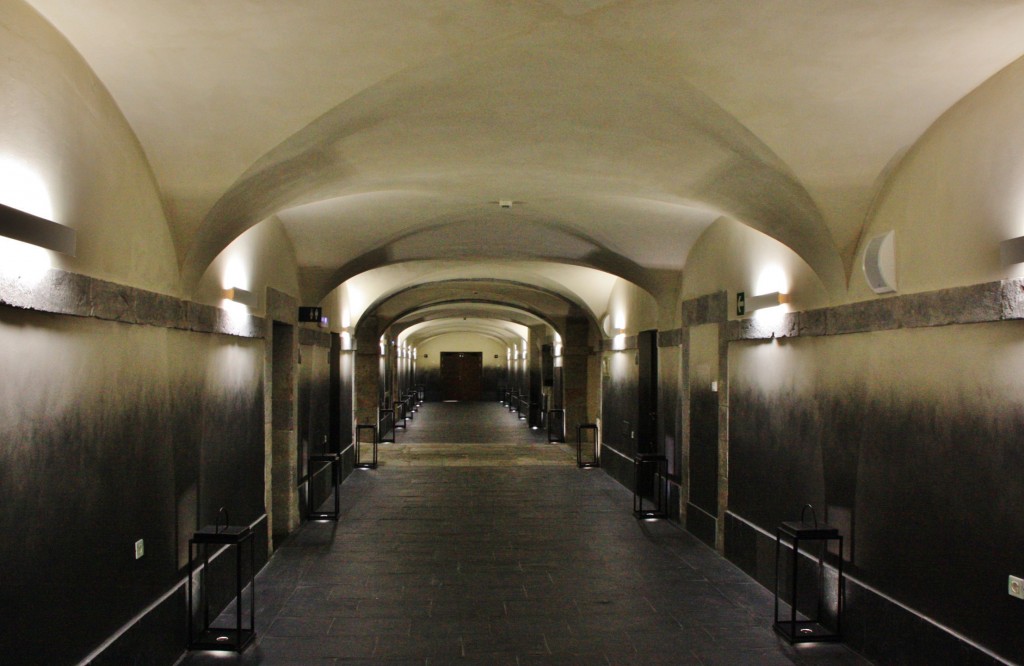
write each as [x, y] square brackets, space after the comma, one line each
[702, 436]
[343, 408]
[647, 393]
[110, 433]
[670, 419]
[314, 398]
[430, 380]
[493, 378]
[619, 404]
[910, 442]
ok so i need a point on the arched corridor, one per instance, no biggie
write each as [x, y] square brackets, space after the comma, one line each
[475, 554]
[769, 253]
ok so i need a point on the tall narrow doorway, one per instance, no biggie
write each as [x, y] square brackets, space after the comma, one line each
[461, 375]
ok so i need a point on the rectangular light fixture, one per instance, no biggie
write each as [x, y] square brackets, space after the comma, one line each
[747, 304]
[38, 231]
[1012, 251]
[242, 296]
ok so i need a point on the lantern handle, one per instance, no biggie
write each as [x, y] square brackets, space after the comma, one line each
[227, 521]
[803, 512]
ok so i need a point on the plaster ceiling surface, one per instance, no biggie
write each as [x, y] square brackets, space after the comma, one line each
[381, 130]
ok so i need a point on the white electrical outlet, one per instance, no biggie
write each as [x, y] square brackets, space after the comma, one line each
[139, 549]
[1016, 587]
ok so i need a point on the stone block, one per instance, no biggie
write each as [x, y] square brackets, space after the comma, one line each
[241, 325]
[160, 310]
[863, 317]
[717, 307]
[112, 301]
[203, 318]
[1011, 299]
[756, 328]
[671, 338]
[257, 327]
[58, 292]
[813, 322]
[733, 330]
[282, 307]
[960, 305]
[69, 293]
[314, 337]
[692, 311]
[709, 309]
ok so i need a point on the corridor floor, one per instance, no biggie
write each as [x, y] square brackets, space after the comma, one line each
[501, 551]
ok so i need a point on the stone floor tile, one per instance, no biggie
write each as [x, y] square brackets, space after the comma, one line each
[284, 627]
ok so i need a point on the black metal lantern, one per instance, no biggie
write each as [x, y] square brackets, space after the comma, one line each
[222, 638]
[650, 497]
[363, 462]
[808, 627]
[586, 456]
[334, 461]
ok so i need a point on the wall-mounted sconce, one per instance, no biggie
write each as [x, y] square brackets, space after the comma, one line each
[38, 231]
[242, 296]
[1012, 251]
[746, 304]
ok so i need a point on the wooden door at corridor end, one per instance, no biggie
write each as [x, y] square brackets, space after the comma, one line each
[461, 375]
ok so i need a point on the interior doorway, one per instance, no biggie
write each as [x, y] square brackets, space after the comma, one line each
[702, 508]
[461, 375]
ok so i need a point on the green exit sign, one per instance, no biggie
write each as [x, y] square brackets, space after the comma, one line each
[741, 303]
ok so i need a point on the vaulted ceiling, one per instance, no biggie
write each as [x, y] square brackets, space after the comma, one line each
[388, 131]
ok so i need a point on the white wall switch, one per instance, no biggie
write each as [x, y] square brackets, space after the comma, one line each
[139, 549]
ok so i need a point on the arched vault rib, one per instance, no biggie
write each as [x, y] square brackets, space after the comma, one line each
[501, 331]
[559, 285]
[317, 284]
[546, 307]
